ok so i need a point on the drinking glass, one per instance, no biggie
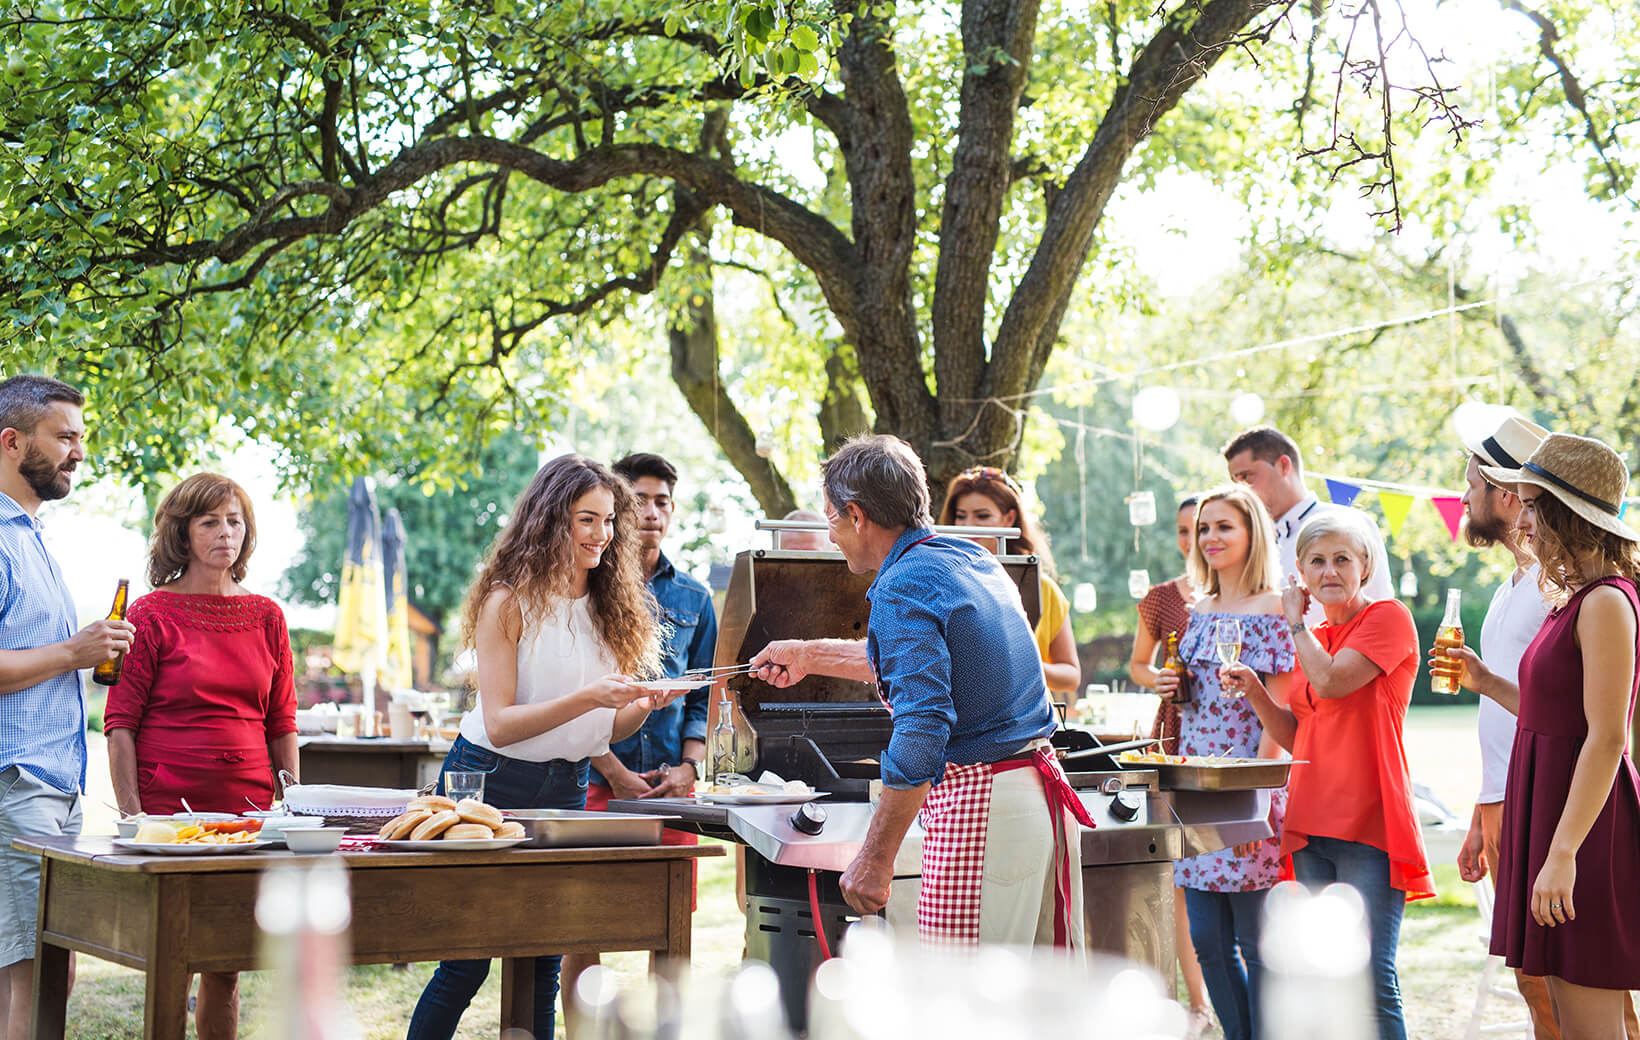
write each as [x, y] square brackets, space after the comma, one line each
[1227, 642]
[464, 785]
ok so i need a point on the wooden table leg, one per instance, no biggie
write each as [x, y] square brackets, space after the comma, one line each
[50, 1015]
[671, 961]
[165, 995]
[518, 994]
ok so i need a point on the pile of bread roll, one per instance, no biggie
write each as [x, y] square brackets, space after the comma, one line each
[433, 817]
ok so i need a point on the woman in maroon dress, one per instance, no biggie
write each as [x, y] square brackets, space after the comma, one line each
[1569, 857]
[205, 708]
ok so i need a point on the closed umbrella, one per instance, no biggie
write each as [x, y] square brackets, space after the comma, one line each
[361, 610]
[396, 670]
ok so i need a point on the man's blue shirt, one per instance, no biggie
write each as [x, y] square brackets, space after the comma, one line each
[689, 637]
[954, 657]
[42, 728]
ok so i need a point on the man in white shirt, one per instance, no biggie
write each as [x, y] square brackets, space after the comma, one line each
[1269, 463]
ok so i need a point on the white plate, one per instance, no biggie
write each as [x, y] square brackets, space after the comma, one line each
[188, 849]
[759, 798]
[458, 845]
[668, 685]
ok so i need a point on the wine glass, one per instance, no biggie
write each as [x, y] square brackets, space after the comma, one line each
[1227, 641]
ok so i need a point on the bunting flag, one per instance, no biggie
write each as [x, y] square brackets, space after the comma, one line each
[1341, 493]
[1396, 506]
[1451, 510]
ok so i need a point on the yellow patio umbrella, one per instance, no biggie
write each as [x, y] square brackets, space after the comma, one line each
[361, 609]
[396, 669]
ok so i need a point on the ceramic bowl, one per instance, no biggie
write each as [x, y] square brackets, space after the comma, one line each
[314, 839]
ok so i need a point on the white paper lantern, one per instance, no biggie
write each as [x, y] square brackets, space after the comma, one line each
[1085, 598]
[1141, 508]
[1138, 584]
[1409, 585]
[1156, 408]
[1247, 408]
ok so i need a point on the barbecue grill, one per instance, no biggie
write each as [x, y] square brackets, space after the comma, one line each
[829, 733]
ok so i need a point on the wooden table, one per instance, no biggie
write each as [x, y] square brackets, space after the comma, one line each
[171, 916]
[370, 761]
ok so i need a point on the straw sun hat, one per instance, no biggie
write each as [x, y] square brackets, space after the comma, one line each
[1582, 472]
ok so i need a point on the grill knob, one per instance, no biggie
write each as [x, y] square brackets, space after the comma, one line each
[809, 819]
[1125, 806]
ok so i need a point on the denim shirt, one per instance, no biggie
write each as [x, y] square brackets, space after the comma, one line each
[955, 659]
[42, 728]
[689, 637]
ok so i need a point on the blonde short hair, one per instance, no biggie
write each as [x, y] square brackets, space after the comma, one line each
[1262, 571]
[1350, 524]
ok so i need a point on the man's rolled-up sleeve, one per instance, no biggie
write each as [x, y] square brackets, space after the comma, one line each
[701, 648]
[914, 664]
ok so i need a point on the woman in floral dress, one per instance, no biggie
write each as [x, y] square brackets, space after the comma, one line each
[1233, 561]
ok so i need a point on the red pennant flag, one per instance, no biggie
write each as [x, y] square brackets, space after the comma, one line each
[1451, 510]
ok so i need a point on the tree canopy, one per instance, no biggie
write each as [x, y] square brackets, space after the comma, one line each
[378, 234]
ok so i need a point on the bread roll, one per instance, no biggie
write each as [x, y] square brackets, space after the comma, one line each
[399, 827]
[434, 802]
[510, 829]
[471, 810]
[467, 832]
[435, 825]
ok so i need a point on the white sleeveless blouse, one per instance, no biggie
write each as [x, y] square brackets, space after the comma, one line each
[556, 657]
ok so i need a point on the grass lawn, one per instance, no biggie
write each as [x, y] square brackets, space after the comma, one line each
[1440, 954]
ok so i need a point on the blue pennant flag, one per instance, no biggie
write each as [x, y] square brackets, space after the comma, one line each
[1342, 493]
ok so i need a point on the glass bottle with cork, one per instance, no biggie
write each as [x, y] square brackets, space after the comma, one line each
[108, 673]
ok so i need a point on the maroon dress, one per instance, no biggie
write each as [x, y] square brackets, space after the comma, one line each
[1162, 611]
[1601, 948]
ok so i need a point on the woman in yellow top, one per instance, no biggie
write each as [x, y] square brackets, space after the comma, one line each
[984, 496]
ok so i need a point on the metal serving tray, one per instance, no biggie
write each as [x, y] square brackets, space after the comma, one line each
[579, 828]
[1221, 776]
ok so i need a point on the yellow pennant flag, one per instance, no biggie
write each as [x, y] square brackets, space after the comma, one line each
[1396, 507]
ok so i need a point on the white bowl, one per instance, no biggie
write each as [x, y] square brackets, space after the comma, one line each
[314, 839]
[275, 826]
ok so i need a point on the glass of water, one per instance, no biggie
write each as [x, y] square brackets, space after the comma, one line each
[464, 785]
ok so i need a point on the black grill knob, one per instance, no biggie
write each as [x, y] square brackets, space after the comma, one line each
[1125, 806]
[809, 819]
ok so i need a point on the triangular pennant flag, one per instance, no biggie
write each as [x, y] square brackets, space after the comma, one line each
[1342, 493]
[1451, 510]
[1395, 508]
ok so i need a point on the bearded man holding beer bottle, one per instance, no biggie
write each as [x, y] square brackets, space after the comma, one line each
[42, 705]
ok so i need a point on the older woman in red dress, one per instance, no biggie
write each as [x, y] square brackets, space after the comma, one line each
[206, 707]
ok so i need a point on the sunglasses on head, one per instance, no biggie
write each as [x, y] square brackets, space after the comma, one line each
[990, 473]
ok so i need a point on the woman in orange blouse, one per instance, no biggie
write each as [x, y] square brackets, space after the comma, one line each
[1349, 807]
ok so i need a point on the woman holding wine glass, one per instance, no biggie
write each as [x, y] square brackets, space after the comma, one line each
[1233, 564]
[1350, 816]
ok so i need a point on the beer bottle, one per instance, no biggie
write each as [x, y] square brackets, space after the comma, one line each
[1445, 671]
[1174, 663]
[108, 673]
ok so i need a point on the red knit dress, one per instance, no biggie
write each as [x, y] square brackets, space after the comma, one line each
[1162, 611]
[207, 684]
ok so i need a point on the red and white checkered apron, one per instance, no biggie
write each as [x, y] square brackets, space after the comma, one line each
[954, 819]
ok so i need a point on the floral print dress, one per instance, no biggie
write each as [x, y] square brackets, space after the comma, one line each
[1216, 724]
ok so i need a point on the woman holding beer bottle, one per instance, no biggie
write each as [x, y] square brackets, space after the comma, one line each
[205, 706]
[1349, 798]
[1569, 855]
[1233, 562]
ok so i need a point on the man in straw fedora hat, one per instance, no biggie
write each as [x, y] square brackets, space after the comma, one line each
[1569, 852]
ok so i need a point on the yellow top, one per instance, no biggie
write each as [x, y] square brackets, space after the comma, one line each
[1055, 609]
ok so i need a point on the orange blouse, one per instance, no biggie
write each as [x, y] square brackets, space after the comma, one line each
[1354, 784]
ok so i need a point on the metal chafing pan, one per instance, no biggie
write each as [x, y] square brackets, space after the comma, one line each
[1220, 776]
[577, 828]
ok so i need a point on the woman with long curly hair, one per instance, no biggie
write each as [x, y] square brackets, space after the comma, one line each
[561, 618]
[984, 496]
[1569, 854]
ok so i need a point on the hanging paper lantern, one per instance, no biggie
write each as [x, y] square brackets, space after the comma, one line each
[1138, 584]
[1156, 408]
[1141, 508]
[1409, 585]
[1247, 408]
[1085, 598]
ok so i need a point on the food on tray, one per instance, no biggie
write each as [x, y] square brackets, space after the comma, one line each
[1158, 758]
[436, 818]
[768, 783]
[158, 832]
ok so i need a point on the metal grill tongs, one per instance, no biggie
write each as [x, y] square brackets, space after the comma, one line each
[714, 674]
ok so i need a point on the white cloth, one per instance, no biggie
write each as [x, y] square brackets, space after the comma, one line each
[1016, 895]
[1288, 525]
[556, 657]
[1512, 622]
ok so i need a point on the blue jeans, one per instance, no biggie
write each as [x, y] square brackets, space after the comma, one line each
[509, 783]
[1365, 869]
[1224, 928]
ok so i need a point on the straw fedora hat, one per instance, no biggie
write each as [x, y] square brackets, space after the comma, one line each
[1506, 442]
[1582, 472]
